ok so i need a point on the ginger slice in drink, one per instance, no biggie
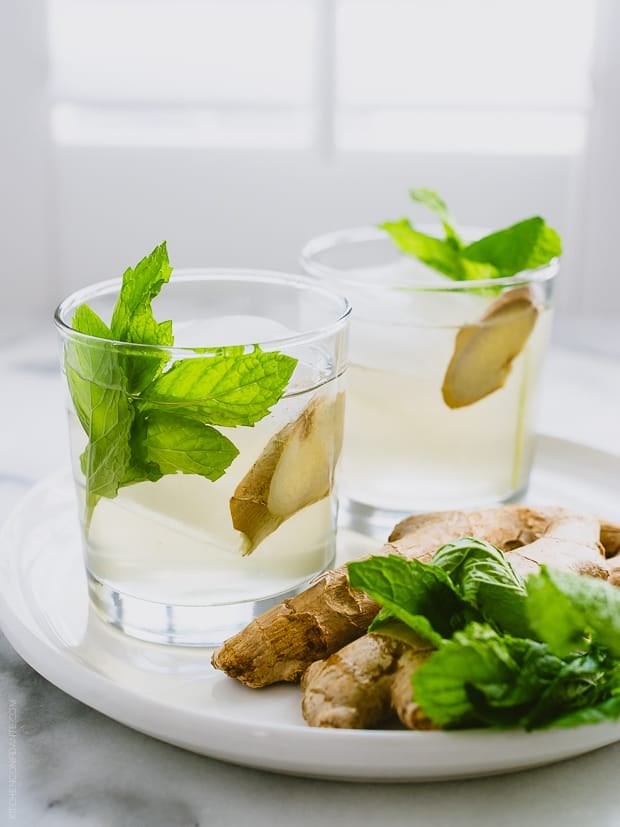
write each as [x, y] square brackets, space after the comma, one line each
[484, 352]
[294, 470]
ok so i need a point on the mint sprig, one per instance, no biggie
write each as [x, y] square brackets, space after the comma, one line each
[523, 246]
[146, 417]
[535, 653]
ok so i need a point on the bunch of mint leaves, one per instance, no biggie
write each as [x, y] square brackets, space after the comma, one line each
[522, 246]
[508, 653]
[146, 415]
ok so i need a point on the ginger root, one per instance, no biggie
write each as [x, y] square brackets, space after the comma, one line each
[401, 690]
[280, 644]
[351, 689]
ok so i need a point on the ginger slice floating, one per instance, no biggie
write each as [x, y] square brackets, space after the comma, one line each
[484, 352]
[294, 470]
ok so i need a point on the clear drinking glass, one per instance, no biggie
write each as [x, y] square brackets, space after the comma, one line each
[181, 558]
[442, 379]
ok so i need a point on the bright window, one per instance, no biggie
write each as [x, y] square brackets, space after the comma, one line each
[412, 75]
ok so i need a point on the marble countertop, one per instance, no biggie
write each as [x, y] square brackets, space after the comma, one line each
[66, 765]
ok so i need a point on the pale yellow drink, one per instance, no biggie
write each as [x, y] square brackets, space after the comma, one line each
[405, 448]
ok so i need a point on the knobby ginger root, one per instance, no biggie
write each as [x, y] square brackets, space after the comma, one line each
[570, 542]
[280, 644]
[363, 684]
[401, 690]
[351, 689]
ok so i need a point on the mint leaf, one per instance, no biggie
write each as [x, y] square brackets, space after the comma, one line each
[523, 246]
[607, 710]
[434, 202]
[133, 320]
[477, 657]
[87, 321]
[388, 624]
[408, 589]
[570, 611]
[483, 678]
[97, 387]
[224, 390]
[78, 362]
[439, 254]
[175, 444]
[582, 682]
[485, 579]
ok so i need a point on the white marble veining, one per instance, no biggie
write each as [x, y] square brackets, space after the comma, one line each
[76, 767]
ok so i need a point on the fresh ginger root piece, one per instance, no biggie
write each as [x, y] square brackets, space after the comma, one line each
[351, 689]
[506, 527]
[484, 352]
[401, 690]
[294, 470]
[281, 643]
[570, 542]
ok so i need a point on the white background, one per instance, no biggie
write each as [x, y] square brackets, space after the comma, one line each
[238, 129]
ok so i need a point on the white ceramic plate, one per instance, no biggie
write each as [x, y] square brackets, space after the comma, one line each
[174, 694]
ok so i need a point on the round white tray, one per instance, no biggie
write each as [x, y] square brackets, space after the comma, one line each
[173, 694]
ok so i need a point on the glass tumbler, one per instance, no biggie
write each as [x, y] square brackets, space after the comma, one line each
[206, 471]
[442, 380]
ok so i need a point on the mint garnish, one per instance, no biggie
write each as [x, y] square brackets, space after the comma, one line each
[508, 652]
[522, 246]
[145, 417]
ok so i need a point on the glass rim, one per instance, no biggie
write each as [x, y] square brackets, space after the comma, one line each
[208, 274]
[355, 235]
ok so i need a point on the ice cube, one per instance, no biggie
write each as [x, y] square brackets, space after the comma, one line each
[229, 330]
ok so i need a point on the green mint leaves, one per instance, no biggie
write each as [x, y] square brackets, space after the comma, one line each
[145, 417]
[483, 678]
[523, 246]
[565, 610]
[174, 444]
[227, 390]
[420, 596]
[509, 653]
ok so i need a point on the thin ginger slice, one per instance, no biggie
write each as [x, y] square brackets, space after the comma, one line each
[294, 471]
[484, 352]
